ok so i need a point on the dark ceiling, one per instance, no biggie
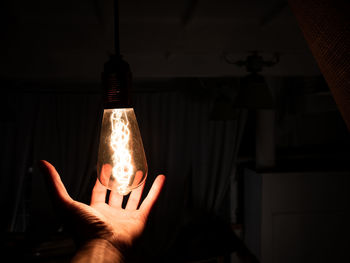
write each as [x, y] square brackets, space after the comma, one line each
[71, 40]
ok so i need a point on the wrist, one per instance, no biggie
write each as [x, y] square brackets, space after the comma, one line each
[98, 251]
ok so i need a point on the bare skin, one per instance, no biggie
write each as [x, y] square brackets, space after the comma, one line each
[104, 231]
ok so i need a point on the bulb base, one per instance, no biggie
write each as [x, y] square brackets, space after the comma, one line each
[116, 81]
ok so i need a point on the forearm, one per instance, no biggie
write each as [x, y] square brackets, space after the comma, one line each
[98, 251]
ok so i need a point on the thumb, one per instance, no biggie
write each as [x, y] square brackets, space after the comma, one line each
[55, 186]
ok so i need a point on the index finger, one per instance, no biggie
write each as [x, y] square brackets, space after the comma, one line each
[99, 191]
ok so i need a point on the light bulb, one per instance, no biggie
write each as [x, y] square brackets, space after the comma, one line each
[121, 161]
[121, 164]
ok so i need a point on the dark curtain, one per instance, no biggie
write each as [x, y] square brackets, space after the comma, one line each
[61, 128]
[196, 152]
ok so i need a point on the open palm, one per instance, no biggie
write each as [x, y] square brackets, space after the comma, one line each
[119, 226]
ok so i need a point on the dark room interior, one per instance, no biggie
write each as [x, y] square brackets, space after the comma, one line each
[243, 105]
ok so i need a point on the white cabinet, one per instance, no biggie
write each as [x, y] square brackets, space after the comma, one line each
[297, 217]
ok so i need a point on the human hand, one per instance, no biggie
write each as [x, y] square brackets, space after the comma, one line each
[110, 222]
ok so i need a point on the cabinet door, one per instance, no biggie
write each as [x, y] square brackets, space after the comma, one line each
[305, 217]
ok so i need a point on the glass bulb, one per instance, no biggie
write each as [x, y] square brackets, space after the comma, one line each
[121, 164]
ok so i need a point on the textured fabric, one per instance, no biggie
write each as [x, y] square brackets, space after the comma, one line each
[326, 27]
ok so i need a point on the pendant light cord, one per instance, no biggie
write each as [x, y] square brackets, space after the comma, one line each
[116, 28]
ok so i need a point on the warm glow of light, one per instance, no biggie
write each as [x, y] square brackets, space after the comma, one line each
[122, 169]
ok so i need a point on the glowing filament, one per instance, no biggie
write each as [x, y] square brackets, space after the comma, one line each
[122, 169]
